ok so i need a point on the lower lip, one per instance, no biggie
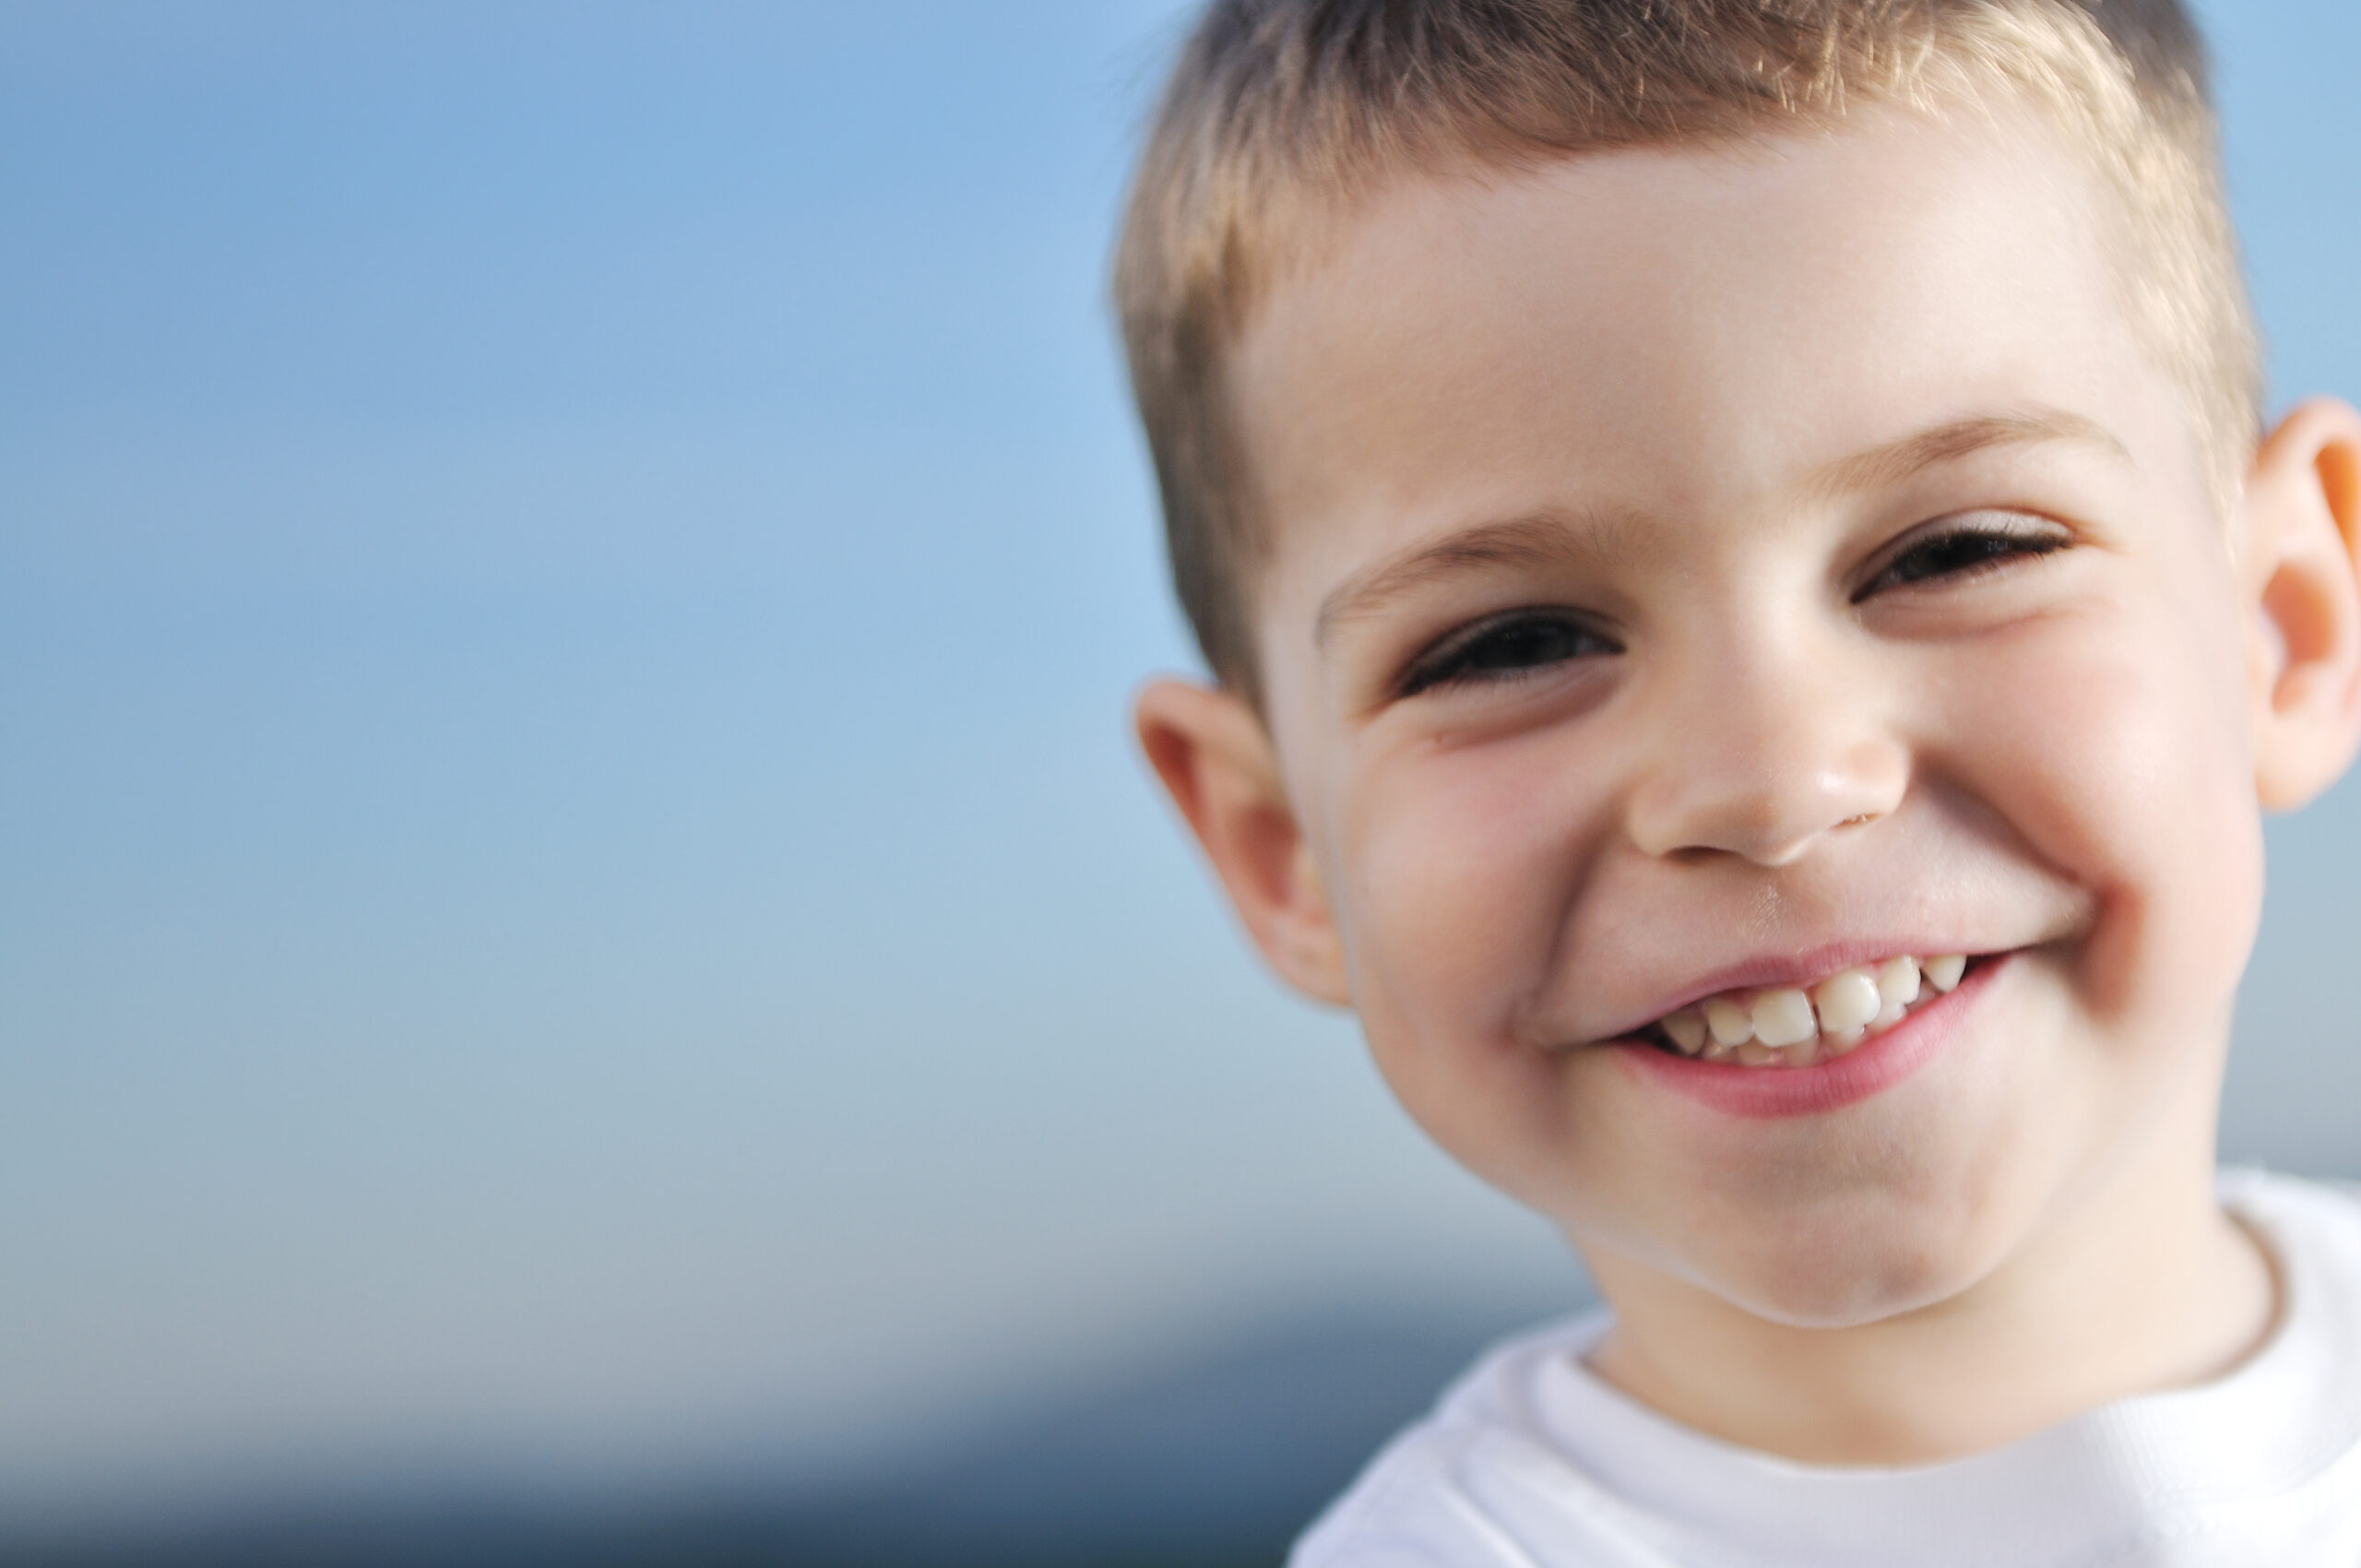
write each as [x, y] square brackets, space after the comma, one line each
[1763, 1093]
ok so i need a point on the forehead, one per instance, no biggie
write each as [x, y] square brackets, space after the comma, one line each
[1688, 331]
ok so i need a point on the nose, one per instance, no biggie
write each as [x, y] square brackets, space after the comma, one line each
[1765, 756]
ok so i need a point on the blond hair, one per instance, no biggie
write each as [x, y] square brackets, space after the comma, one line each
[1281, 113]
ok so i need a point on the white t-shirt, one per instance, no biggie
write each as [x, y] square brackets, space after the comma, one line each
[1531, 1461]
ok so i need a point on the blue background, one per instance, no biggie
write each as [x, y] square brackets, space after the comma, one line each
[575, 905]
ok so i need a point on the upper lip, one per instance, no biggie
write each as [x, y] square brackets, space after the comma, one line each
[1799, 969]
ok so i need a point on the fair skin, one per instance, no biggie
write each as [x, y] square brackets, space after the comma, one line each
[1704, 567]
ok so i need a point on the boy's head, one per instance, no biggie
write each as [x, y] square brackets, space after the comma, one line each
[1284, 118]
[1781, 535]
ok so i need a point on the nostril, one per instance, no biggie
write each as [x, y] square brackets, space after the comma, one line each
[1765, 798]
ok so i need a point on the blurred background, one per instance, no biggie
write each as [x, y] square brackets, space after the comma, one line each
[585, 973]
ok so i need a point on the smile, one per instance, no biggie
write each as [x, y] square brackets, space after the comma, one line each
[1801, 1026]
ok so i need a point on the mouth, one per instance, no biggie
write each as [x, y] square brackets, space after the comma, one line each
[1834, 1066]
[1774, 1028]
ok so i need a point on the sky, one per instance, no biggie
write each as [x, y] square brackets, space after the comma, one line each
[575, 904]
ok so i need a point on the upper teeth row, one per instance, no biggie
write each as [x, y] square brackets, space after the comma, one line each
[1789, 1026]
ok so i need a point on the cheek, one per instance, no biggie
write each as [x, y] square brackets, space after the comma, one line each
[1462, 865]
[2118, 755]
[1456, 860]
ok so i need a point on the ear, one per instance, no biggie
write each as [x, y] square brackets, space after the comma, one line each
[2302, 521]
[1217, 764]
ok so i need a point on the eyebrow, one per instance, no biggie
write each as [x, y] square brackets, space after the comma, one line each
[1555, 538]
[1896, 461]
[1539, 538]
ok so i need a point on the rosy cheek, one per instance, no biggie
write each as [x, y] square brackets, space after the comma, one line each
[2114, 757]
[1459, 933]
[1464, 863]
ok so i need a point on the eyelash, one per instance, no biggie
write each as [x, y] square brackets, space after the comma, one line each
[1461, 658]
[1995, 545]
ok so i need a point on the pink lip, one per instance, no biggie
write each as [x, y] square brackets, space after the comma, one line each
[1762, 1093]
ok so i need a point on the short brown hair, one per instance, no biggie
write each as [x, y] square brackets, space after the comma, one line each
[1281, 112]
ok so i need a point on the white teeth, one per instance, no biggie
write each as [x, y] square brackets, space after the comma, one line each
[1728, 1021]
[1898, 981]
[1787, 1027]
[1847, 1002]
[1783, 1017]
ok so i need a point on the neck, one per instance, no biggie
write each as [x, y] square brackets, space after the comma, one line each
[2141, 1284]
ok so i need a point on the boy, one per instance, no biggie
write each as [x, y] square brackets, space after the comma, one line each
[1753, 623]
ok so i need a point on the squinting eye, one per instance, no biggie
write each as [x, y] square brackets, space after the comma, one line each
[1504, 648]
[1966, 551]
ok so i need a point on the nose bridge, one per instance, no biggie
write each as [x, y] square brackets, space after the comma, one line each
[1776, 735]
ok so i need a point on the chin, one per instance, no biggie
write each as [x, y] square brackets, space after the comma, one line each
[1868, 1286]
[1843, 1265]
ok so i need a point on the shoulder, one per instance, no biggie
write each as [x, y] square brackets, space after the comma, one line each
[1449, 1491]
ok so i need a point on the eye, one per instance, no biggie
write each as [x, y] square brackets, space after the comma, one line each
[1965, 548]
[1502, 648]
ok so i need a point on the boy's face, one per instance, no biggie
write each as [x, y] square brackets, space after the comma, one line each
[1700, 570]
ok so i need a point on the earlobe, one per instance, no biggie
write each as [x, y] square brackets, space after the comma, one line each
[1216, 762]
[2302, 521]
